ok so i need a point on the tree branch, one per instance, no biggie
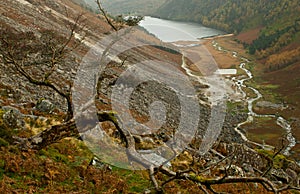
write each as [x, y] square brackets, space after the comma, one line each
[105, 15]
[271, 162]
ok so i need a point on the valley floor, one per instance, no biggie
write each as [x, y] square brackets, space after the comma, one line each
[278, 99]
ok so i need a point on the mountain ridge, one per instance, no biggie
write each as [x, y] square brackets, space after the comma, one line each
[126, 7]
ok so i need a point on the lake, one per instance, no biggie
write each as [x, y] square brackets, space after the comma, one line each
[172, 31]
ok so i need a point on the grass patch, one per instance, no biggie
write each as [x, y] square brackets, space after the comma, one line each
[236, 107]
[267, 90]
[280, 161]
[61, 168]
[138, 181]
[250, 93]
[3, 142]
[265, 130]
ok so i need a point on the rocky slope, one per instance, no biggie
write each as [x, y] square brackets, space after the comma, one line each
[54, 15]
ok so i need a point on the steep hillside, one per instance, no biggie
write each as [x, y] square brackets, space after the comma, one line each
[232, 15]
[188, 10]
[29, 26]
[140, 7]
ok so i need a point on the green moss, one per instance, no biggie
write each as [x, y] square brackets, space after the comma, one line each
[280, 161]
[2, 164]
[54, 154]
[236, 107]
[136, 180]
[2, 112]
[3, 142]
[197, 177]
[20, 183]
[113, 116]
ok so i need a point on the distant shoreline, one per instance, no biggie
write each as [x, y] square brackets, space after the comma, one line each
[215, 36]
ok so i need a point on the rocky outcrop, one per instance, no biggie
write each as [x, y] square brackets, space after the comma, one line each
[13, 117]
[255, 163]
[45, 106]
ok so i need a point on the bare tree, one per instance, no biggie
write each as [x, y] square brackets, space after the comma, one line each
[38, 58]
[130, 21]
[206, 183]
[108, 20]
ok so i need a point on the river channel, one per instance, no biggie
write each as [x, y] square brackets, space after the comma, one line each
[174, 32]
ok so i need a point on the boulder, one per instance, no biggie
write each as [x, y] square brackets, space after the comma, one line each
[232, 170]
[280, 175]
[13, 117]
[45, 106]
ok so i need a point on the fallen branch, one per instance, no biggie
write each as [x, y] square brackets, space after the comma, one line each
[208, 182]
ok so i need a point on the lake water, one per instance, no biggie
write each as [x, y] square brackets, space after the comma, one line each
[172, 31]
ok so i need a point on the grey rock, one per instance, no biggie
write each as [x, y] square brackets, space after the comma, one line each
[280, 175]
[267, 104]
[148, 140]
[248, 168]
[138, 139]
[156, 159]
[13, 117]
[45, 106]
[232, 170]
[147, 191]
[244, 155]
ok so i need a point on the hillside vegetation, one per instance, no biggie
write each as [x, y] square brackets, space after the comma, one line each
[278, 21]
[233, 15]
[140, 7]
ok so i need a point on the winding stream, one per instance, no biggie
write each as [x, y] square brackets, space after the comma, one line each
[161, 28]
[240, 84]
[280, 121]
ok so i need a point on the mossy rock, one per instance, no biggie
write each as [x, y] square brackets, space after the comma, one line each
[6, 132]
[3, 143]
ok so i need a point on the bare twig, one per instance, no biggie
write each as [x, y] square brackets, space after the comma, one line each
[202, 188]
[105, 15]
[153, 179]
[271, 162]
